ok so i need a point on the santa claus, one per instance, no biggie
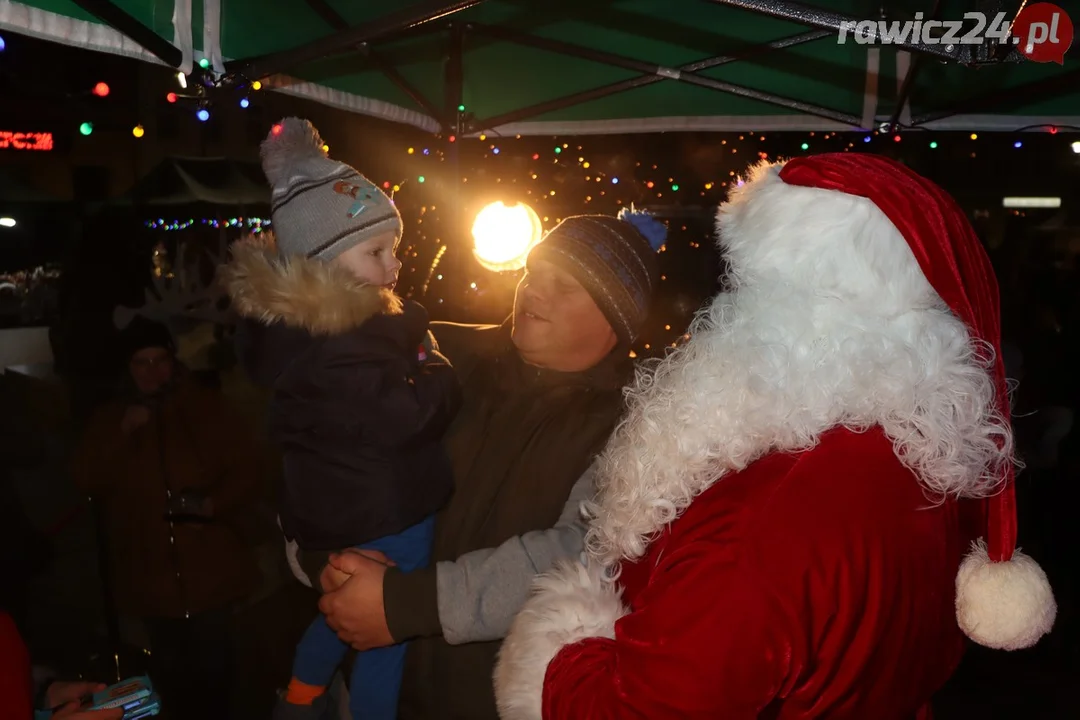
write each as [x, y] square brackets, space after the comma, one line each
[782, 519]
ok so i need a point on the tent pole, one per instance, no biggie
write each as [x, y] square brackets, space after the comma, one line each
[342, 42]
[125, 24]
[908, 82]
[399, 80]
[455, 80]
[829, 20]
[585, 96]
[605, 58]
[334, 19]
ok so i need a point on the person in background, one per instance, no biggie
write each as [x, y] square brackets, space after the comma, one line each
[359, 405]
[541, 394]
[170, 467]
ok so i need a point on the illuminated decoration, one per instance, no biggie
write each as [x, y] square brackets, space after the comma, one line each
[461, 108]
[1076, 147]
[503, 235]
[326, 148]
[204, 63]
[254, 224]
[101, 90]
[7, 222]
[203, 114]
[256, 86]
[182, 79]
[41, 141]
[805, 146]
[138, 131]
[276, 129]
[933, 145]
[1031, 202]
[171, 97]
[244, 103]
[86, 128]
[1018, 144]
[2, 43]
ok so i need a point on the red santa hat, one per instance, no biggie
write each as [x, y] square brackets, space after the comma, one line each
[1003, 598]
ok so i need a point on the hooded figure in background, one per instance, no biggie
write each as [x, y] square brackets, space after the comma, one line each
[810, 503]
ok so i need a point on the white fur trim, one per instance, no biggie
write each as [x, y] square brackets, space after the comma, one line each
[1006, 605]
[570, 603]
[830, 322]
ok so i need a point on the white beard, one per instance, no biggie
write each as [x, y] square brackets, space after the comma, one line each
[832, 324]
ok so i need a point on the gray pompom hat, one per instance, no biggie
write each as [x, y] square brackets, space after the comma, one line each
[320, 207]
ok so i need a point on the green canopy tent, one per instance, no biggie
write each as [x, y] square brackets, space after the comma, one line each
[586, 66]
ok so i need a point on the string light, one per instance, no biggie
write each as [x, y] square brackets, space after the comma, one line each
[203, 114]
[596, 180]
[138, 131]
[86, 128]
[101, 90]
[204, 63]
[256, 86]
[171, 97]
[254, 224]
[244, 102]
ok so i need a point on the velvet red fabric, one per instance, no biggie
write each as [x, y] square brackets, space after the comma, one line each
[812, 585]
[952, 259]
[16, 683]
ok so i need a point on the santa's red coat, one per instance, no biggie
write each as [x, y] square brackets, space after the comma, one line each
[813, 585]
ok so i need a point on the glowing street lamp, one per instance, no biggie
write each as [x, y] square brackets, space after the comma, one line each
[503, 235]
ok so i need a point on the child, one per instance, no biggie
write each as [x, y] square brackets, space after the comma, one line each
[358, 407]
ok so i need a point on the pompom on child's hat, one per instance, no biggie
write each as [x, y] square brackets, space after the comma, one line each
[614, 258]
[1003, 598]
[320, 207]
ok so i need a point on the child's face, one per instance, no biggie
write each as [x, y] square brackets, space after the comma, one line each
[373, 261]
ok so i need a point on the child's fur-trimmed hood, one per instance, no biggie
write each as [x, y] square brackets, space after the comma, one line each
[319, 297]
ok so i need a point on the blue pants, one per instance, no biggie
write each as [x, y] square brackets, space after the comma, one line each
[376, 675]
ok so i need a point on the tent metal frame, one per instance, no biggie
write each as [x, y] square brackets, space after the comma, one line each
[348, 39]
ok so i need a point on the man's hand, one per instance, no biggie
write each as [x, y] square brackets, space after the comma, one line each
[340, 567]
[355, 610]
[134, 418]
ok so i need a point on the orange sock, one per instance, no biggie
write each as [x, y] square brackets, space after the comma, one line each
[300, 693]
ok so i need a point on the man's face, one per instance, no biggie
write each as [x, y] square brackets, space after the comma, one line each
[151, 369]
[556, 323]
